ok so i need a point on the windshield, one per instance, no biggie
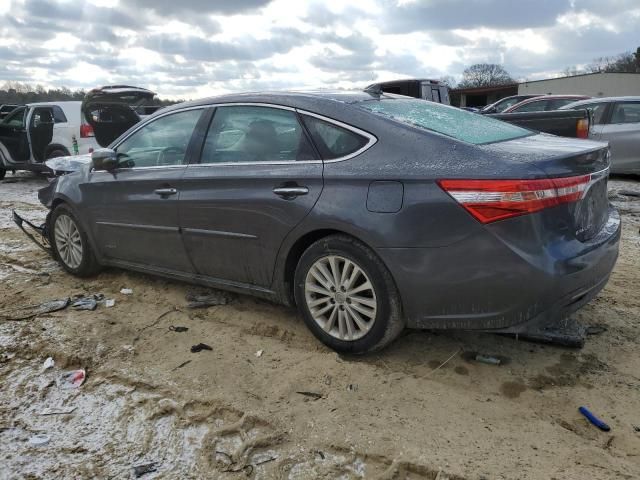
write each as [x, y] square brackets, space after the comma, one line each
[450, 121]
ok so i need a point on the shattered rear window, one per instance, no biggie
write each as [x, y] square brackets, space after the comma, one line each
[450, 121]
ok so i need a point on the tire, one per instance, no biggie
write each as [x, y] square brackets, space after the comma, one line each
[65, 233]
[374, 314]
[3, 172]
[57, 152]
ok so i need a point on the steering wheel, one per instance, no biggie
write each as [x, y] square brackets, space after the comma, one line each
[168, 151]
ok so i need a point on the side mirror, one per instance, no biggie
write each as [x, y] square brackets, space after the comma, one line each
[104, 159]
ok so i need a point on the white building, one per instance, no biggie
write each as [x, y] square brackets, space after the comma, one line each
[591, 84]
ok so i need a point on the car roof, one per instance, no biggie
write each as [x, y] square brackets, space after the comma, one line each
[605, 100]
[48, 104]
[294, 99]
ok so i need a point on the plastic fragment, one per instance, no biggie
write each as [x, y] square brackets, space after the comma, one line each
[109, 302]
[594, 420]
[487, 359]
[48, 363]
[57, 410]
[207, 299]
[178, 329]
[126, 291]
[199, 347]
[140, 470]
[259, 353]
[39, 440]
[84, 303]
[73, 379]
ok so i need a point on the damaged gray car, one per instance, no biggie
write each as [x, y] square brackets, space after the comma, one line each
[370, 212]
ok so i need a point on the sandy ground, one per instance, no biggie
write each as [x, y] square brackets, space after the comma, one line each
[229, 413]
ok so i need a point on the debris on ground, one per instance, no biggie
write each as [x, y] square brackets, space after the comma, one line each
[57, 410]
[568, 332]
[199, 347]
[39, 440]
[143, 469]
[594, 420]
[596, 329]
[72, 379]
[636, 428]
[109, 302]
[314, 395]
[629, 193]
[181, 365]
[48, 363]
[84, 303]
[126, 291]
[259, 353]
[178, 329]
[207, 299]
[352, 387]
[31, 311]
[488, 359]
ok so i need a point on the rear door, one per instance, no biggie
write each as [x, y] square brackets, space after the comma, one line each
[257, 178]
[13, 136]
[40, 131]
[134, 209]
[622, 131]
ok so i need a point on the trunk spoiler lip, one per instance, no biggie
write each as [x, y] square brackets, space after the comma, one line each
[41, 230]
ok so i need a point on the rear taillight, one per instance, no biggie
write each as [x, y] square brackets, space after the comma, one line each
[582, 130]
[492, 200]
[86, 131]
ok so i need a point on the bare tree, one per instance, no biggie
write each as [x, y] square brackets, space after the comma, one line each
[485, 75]
[448, 80]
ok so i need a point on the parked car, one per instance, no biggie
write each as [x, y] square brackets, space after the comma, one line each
[567, 123]
[504, 103]
[35, 132]
[615, 120]
[6, 109]
[370, 212]
[544, 103]
[432, 90]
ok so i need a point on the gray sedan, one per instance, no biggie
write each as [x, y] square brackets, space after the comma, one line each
[369, 212]
[616, 120]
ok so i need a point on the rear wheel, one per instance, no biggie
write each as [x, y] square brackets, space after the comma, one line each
[347, 296]
[70, 243]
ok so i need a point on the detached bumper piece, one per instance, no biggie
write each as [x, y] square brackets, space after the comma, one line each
[39, 234]
[567, 333]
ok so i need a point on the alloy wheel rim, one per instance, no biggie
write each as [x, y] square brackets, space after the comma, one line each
[341, 297]
[68, 241]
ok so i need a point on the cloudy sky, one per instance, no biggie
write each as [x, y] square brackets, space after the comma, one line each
[193, 48]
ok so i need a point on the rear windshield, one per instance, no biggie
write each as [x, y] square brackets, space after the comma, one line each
[451, 121]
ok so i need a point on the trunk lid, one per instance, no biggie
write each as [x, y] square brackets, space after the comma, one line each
[109, 110]
[565, 157]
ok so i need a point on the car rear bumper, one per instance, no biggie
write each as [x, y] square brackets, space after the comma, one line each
[483, 282]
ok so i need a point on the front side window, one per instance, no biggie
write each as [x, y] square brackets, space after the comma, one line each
[626, 112]
[159, 143]
[332, 140]
[239, 134]
[15, 119]
[450, 121]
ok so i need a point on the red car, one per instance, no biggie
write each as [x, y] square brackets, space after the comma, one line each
[544, 103]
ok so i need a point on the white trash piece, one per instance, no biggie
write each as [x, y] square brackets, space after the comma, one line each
[109, 302]
[48, 363]
[126, 291]
[259, 353]
[39, 440]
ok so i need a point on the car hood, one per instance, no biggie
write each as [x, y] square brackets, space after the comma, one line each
[70, 163]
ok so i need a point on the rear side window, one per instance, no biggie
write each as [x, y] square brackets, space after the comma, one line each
[556, 104]
[58, 115]
[538, 106]
[626, 113]
[255, 134]
[332, 140]
[450, 121]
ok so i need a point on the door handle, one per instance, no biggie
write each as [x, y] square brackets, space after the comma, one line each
[165, 192]
[290, 192]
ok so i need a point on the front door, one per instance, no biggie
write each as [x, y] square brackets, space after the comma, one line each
[13, 136]
[134, 209]
[258, 177]
[40, 131]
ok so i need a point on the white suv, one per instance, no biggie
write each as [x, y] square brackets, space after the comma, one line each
[36, 132]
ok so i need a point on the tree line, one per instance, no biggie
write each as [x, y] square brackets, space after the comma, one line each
[20, 93]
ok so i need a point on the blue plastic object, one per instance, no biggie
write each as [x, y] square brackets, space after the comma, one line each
[594, 420]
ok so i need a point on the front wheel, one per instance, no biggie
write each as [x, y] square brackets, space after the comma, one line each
[70, 243]
[346, 295]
